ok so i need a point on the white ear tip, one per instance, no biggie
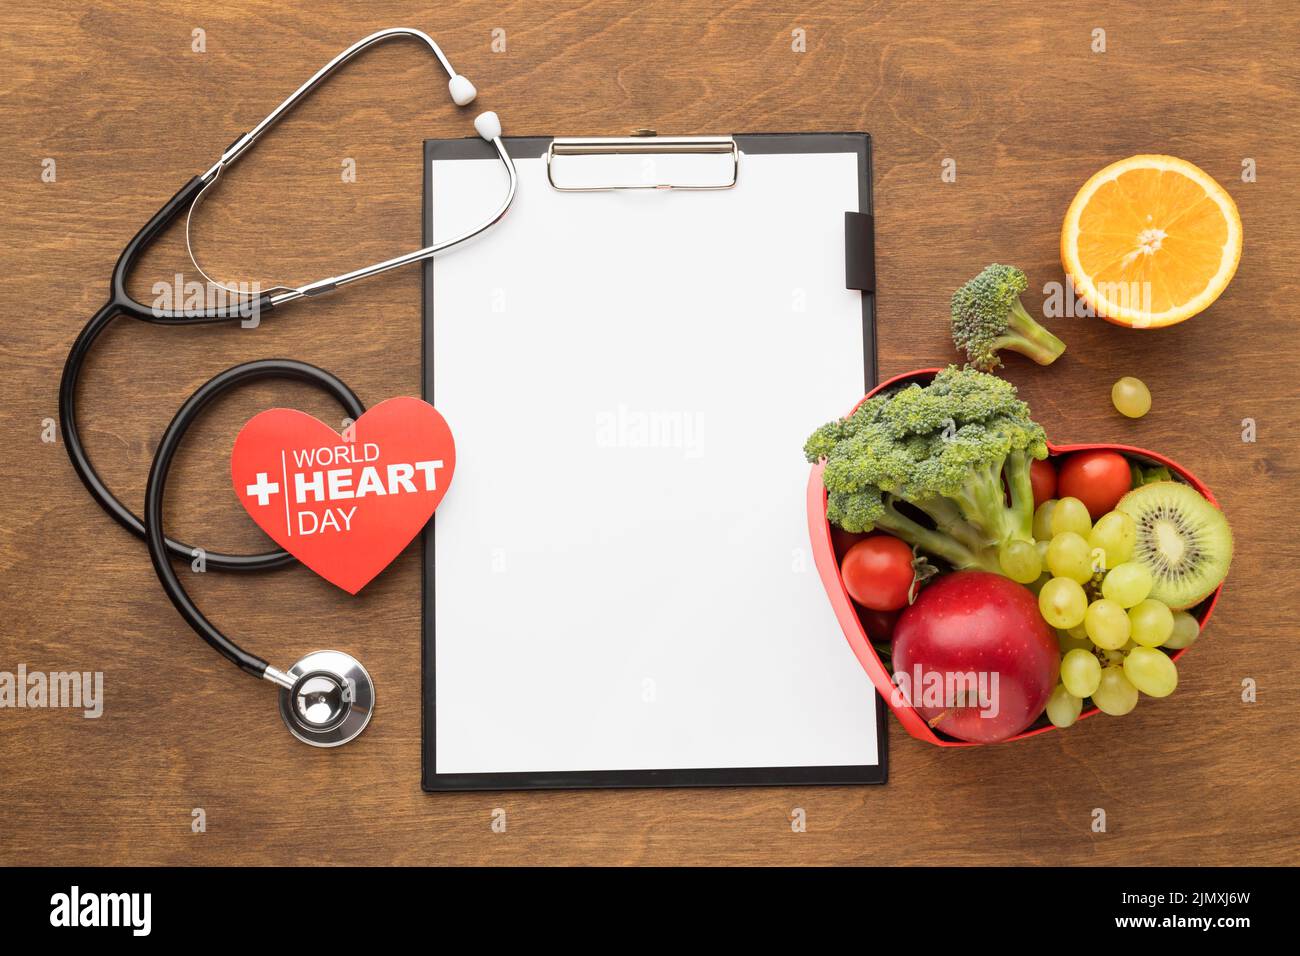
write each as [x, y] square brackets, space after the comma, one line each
[462, 90]
[488, 125]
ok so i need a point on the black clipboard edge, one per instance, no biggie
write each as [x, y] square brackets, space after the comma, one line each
[433, 782]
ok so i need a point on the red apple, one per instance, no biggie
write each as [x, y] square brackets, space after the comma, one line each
[974, 656]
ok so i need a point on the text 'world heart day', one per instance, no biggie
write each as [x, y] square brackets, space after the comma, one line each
[344, 505]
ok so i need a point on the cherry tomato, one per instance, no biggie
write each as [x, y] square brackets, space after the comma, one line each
[877, 572]
[879, 624]
[842, 540]
[1042, 475]
[1097, 478]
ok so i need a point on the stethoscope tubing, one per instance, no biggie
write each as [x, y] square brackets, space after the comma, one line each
[121, 303]
[100, 491]
[156, 489]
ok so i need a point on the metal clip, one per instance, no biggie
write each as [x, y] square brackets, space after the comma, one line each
[642, 145]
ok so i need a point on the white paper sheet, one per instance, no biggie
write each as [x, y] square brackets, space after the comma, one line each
[623, 575]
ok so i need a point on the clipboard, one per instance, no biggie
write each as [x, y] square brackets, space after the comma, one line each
[598, 610]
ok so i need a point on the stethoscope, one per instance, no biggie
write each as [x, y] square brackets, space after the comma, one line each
[326, 698]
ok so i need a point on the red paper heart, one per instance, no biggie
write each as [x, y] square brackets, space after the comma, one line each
[344, 506]
[851, 623]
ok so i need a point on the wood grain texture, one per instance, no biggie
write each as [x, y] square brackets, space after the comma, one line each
[1013, 94]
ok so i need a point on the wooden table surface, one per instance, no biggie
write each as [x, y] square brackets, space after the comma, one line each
[116, 95]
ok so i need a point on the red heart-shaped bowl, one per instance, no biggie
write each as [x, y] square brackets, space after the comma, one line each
[828, 566]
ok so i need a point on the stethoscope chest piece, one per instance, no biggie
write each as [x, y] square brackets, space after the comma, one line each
[331, 699]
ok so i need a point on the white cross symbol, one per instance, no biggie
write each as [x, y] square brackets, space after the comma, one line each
[262, 489]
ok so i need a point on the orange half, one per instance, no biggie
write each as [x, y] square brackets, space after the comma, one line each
[1151, 241]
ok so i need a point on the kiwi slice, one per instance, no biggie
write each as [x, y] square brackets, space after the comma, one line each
[1183, 540]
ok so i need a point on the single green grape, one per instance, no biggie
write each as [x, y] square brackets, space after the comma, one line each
[1131, 397]
[1115, 695]
[1116, 534]
[1186, 630]
[1063, 708]
[1071, 514]
[1062, 602]
[1107, 624]
[1020, 561]
[1043, 520]
[1080, 672]
[1152, 622]
[1151, 671]
[1078, 631]
[1068, 556]
[1127, 584]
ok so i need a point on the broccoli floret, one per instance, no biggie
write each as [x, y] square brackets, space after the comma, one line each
[987, 316]
[955, 450]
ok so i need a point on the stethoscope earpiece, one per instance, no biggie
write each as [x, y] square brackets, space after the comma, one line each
[462, 90]
[488, 125]
[330, 701]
